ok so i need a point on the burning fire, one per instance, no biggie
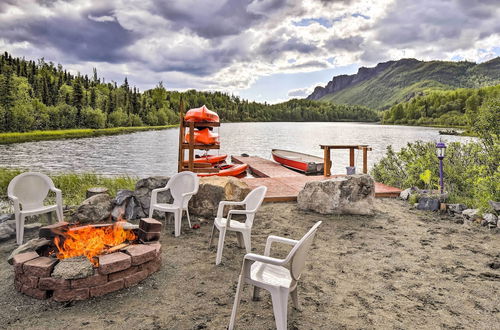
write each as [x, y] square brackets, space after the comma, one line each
[91, 241]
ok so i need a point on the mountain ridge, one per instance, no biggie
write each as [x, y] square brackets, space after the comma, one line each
[392, 82]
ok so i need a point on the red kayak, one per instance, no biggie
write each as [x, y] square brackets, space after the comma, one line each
[204, 136]
[212, 159]
[298, 161]
[228, 170]
[201, 114]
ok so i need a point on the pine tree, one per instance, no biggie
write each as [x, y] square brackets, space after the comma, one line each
[7, 90]
[78, 100]
[7, 98]
[95, 79]
[92, 98]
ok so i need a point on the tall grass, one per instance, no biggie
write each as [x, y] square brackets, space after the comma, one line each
[17, 137]
[74, 186]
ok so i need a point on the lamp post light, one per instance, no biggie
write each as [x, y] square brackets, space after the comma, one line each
[440, 151]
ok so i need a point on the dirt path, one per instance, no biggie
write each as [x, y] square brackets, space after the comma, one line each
[399, 269]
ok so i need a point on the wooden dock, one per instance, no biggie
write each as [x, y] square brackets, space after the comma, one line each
[284, 184]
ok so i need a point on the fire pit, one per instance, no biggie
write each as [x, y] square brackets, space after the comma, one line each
[88, 261]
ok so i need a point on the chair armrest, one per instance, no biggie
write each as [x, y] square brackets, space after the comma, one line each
[272, 238]
[157, 190]
[220, 210]
[264, 259]
[15, 201]
[59, 200]
[239, 212]
[188, 194]
[154, 193]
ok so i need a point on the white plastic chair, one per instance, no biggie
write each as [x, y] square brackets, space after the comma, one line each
[252, 203]
[182, 187]
[28, 191]
[278, 276]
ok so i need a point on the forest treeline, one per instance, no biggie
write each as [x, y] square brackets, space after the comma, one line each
[42, 96]
[454, 108]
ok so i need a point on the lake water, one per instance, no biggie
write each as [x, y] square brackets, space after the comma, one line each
[155, 152]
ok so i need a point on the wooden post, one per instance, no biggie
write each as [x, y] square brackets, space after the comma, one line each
[365, 160]
[191, 147]
[327, 163]
[181, 135]
[351, 157]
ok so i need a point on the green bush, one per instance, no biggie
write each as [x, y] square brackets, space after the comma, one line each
[93, 118]
[471, 171]
[117, 119]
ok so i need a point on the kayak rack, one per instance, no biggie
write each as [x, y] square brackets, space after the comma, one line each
[189, 164]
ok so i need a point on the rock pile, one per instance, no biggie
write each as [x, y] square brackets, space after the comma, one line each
[460, 211]
[135, 204]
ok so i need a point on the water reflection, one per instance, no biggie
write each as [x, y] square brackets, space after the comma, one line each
[155, 152]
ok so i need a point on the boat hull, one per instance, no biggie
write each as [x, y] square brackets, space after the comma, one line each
[228, 170]
[308, 167]
[211, 159]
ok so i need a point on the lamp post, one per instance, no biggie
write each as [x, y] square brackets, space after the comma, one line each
[440, 151]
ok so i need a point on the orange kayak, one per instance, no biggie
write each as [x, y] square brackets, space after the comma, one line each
[201, 114]
[212, 159]
[228, 170]
[204, 136]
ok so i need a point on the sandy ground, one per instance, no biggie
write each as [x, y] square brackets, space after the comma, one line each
[400, 269]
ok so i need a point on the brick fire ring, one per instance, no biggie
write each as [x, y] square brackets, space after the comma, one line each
[122, 269]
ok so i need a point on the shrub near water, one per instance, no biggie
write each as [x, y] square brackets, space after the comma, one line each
[471, 174]
[74, 186]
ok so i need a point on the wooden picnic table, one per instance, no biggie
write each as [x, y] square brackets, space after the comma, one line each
[327, 159]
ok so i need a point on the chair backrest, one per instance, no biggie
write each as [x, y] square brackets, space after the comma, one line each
[182, 183]
[30, 188]
[253, 201]
[298, 254]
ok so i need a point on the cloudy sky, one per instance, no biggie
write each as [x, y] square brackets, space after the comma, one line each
[263, 50]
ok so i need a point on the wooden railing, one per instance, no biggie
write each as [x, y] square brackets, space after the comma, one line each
[327, 158]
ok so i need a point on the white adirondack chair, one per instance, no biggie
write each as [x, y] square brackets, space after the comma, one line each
[278, 276]
[28, 192]
[182, 187]
[252, 203]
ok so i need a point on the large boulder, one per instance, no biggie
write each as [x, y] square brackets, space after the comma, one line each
[428, 204]
[353, 194]
[213, 190]
[94, 209]
[142, 196]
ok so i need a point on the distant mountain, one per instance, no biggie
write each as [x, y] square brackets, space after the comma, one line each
[393, 82]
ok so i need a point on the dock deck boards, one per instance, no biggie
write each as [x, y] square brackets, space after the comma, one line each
[284, 184]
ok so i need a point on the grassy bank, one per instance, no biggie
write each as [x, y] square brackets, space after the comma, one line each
[16, 137]
[74, 186]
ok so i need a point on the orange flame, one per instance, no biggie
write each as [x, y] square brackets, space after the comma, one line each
[90, 241]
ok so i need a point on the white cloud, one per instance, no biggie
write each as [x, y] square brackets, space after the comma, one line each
[228, 44]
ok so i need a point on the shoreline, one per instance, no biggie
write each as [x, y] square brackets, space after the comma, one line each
[79, 133]
[32, 136]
